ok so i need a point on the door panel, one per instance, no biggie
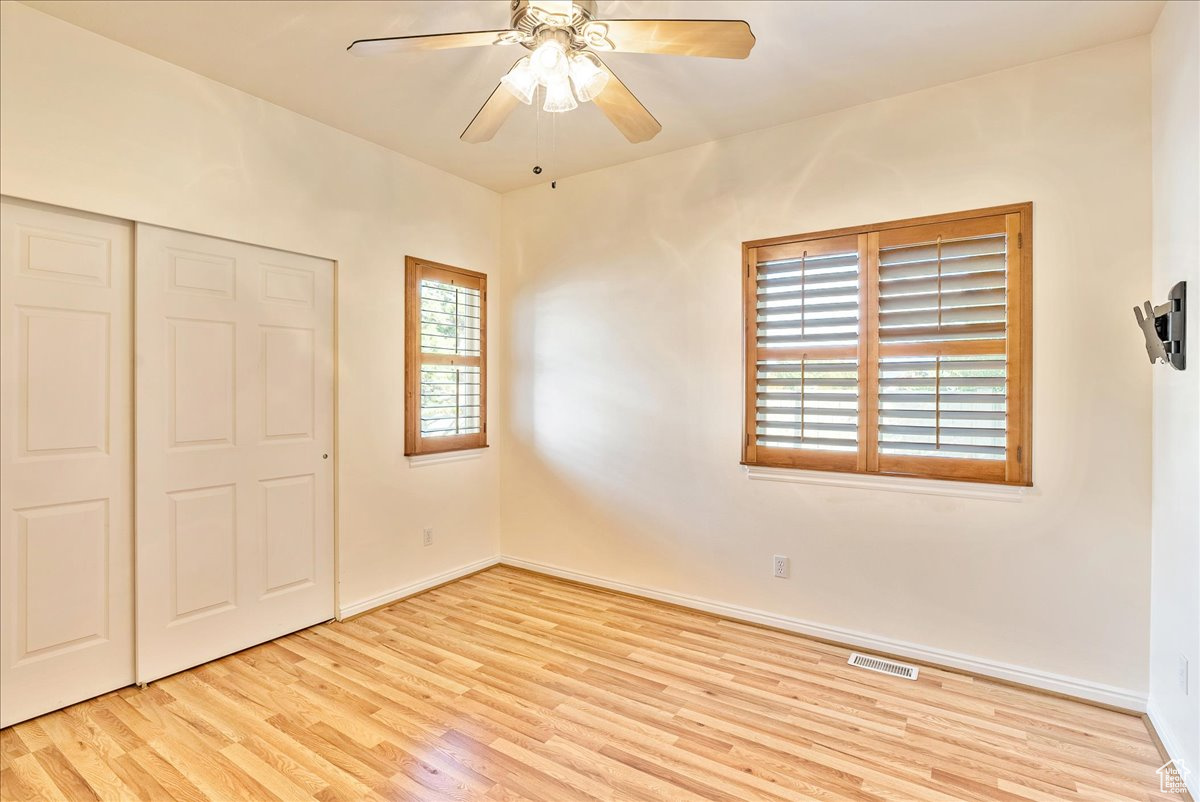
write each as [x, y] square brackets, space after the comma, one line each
[289, 534]
[289, 365]
[66, 592]
[203, 549]
[63, 366]
[61, 549]
[201, 405]
[235, 419]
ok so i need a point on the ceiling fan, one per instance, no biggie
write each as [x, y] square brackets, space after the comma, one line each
[564, 37]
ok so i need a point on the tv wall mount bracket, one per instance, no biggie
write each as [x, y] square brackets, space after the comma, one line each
[1164, 327]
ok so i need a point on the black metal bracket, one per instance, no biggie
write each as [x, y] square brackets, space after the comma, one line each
[1165, 327]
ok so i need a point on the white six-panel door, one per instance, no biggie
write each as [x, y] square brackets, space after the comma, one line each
[234, 468]
[66, 591]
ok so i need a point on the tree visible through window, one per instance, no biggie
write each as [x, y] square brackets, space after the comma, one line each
[445, 358]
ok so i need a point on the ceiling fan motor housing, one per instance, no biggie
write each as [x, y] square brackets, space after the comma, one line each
[535, 23]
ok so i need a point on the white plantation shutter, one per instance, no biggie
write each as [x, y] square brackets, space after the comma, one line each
[806, 385]
[445, 358]
[893, 349]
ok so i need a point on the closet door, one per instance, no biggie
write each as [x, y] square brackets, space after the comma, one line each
[66, 593]
[234, 478]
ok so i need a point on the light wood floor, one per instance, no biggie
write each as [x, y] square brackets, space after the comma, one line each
[508, 685]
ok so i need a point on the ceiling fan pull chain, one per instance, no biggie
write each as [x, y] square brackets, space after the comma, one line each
[537, 132]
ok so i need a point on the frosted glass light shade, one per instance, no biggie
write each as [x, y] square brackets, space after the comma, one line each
[549, 62]
[587, 76]
[521, 80]
[559, 97]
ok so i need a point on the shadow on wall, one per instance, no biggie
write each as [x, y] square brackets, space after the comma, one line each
[625, 400]
[626, 373]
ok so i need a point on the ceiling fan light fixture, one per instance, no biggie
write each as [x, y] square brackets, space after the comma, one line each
[521, 80]
[587, 76]
[563, 38]
[549, 62]
[558, 96]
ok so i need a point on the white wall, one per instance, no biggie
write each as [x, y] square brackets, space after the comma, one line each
[620, 295]
[624, 380]
[1175, 602]
[91, 124]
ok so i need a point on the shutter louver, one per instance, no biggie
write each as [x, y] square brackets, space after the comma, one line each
[948, 406]
[808, 404]
[943, 328]
[808, 301]
[807, 317]
[445, 358]
[943, 291]
[895, 348]
[450, 393]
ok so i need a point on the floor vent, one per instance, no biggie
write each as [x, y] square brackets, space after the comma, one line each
[883, 666]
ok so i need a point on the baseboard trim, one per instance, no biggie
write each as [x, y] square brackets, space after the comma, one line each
[429, 583]
[1121, 699]
[1170, 750]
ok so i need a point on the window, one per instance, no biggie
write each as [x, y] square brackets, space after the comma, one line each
[445, 358]
[898, 348]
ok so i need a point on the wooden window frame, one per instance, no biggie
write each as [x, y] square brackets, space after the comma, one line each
[414, 444]
[1017, 467]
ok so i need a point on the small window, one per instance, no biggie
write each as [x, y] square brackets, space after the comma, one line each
[445, 358]
[898, 348]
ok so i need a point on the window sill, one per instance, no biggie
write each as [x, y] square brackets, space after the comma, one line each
[438, 458]
[892, 484]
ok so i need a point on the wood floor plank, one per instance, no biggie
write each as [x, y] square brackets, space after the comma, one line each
[11, 745]
[156, 766]
[509, 686]
[13, 788]
[87, 755]
[64, 775]
[29, 778]
[144, 785]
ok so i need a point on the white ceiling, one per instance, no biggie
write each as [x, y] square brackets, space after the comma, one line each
[811, 57]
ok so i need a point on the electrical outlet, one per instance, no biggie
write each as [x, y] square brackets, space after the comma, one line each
[427, 535]
[782, 566]
[1183, 674]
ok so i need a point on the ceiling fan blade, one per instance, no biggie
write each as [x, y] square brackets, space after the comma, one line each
[673, 37]
[433, 41]
[625, 111]
[491, 115]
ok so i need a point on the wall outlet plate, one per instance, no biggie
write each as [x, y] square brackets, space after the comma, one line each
[427, 536]
[781, 566]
